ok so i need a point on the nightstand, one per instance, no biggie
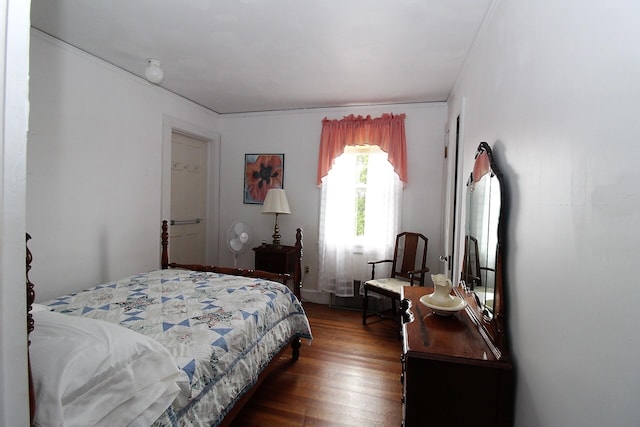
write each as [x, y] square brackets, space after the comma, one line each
[278, 259]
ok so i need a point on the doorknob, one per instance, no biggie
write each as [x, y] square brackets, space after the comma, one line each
[444, 258]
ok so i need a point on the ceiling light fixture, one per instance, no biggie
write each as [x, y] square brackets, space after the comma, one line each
[154, 73]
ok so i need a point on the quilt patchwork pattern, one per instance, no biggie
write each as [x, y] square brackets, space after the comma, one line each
[222, 330]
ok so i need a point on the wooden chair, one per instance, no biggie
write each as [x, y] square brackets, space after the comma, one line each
[471, 270]
[409, 267]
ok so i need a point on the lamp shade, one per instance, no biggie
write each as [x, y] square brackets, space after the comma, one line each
[276, 202]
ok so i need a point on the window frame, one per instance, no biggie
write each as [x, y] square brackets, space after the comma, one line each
[355, 151]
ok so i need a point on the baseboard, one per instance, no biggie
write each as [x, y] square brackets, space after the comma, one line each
[316, 297]
[348, 303]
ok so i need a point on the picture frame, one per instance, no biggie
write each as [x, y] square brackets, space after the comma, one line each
[261, 173]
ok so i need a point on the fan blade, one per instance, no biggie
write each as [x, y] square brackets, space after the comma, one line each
[236, 244]
[238, 228]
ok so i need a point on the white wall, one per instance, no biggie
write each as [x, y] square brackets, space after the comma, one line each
[95, 167]
[97, 175]
[297, 135]
[553, 87]
[14, 114]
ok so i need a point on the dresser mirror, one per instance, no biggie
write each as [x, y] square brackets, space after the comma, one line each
[481, 274]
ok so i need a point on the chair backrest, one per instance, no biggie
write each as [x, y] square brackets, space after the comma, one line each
[410, 254]
[471, 270]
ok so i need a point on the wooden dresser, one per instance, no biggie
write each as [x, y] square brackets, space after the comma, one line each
[450, 375]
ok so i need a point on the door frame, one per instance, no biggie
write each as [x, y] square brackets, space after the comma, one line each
[14, 109]
[453, 193]
[172, 124]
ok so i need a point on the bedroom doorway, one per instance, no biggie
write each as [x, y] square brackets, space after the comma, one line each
[450, 205]
[188, 198]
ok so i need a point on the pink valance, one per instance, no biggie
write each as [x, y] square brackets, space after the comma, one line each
[387, 132]
[481, 166]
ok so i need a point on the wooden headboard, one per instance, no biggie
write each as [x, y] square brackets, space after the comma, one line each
[283, 278]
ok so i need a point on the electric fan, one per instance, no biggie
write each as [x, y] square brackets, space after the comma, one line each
[238, 239]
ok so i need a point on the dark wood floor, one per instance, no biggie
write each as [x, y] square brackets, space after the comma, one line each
[348, 376]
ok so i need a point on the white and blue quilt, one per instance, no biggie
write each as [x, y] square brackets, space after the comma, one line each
[221, 330]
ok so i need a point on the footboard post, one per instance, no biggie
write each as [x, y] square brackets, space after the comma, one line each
[165, 244]
[295, 347]
[297, 272]
[31, 296]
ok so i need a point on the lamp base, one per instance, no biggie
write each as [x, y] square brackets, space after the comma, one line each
[276, 233]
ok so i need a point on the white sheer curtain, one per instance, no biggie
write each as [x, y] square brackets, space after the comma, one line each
[382, 214]
[339, 264]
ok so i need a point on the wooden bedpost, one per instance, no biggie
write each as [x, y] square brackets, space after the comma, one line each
[297, 273]
[165, 245]
[295, 348]
[31, 296]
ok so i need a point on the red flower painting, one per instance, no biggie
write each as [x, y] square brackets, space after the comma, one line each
[261, 173]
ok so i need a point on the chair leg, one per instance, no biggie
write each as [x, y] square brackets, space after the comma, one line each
[394, 309]
[365, 304]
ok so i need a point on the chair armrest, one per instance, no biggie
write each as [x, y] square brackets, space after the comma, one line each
[373, 266]
[378, 262]
[419, 271]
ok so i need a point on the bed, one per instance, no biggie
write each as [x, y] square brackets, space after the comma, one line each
[185, 345]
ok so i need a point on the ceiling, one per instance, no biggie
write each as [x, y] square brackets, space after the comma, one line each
[236, 56]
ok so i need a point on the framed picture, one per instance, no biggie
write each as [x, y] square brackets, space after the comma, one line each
[261, 173]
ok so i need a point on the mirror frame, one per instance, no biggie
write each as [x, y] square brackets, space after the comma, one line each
[491, 325]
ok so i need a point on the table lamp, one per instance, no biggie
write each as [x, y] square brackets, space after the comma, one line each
[276, 203]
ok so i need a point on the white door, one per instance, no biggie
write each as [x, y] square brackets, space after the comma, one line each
[188, 199]
[451, 200]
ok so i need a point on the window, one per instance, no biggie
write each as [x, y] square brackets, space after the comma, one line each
[361, 191]
[359, 156]
[362, 160]
[359, 216]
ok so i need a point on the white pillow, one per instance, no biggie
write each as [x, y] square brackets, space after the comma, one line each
[89, 372]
